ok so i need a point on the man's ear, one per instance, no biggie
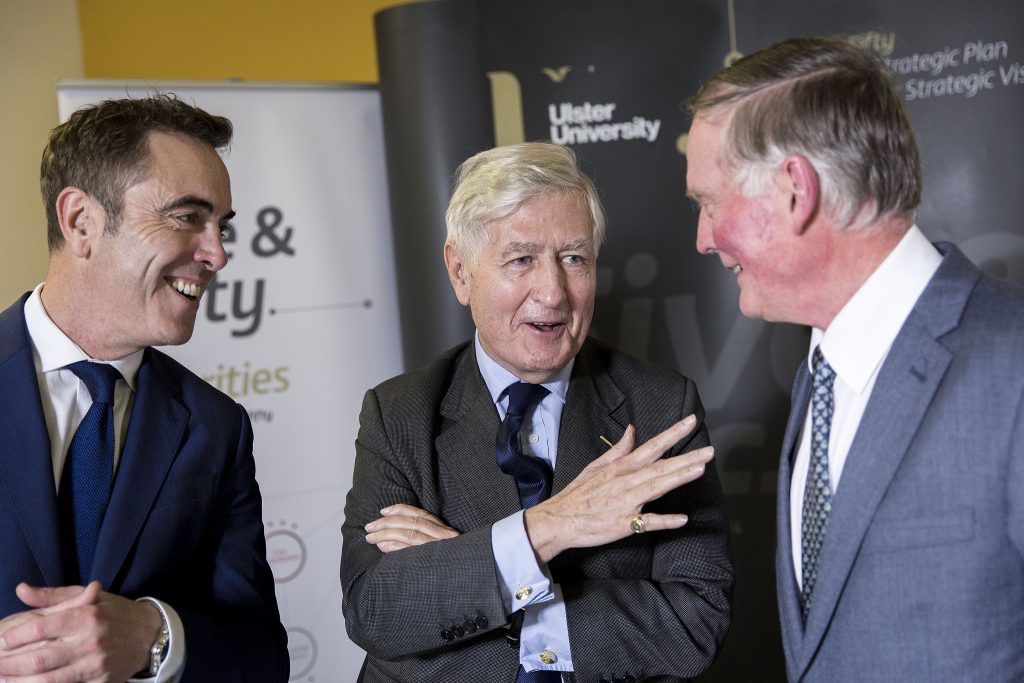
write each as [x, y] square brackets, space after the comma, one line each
[458, 273]
[803, 193]
[81, 220]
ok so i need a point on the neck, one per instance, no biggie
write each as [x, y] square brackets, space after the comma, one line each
[853, 256]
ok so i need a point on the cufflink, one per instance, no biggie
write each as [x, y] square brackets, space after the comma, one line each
[548, 657]
[524, 592]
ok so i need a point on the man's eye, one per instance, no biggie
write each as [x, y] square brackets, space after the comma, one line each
[522, 261]
[573, 259]
[186, 218]
[226, 231]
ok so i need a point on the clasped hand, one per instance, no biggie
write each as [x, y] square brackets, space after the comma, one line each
[76, 634]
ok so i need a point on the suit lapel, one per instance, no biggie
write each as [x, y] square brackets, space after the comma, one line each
[594, 407]
[155, 432]
[785, 576]
[466, 446]
[904, 390]
[26, 468]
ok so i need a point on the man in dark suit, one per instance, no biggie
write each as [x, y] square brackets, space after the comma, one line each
[901, 481]
[445, 577]
[130, 517]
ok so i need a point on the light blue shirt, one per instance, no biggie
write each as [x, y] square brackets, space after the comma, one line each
[545, 628]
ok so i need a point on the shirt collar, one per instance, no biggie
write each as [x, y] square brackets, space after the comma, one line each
[859, 337]
[55, 350]
[498, 378]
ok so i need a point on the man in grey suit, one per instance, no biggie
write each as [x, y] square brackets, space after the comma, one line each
[445, 577]
[901, 481]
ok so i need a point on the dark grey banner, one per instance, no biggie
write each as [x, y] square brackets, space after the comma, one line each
[609, 78]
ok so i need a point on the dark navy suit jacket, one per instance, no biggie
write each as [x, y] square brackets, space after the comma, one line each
[184, 520]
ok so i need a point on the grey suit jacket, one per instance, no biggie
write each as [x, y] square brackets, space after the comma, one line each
[921, 577]
[651, 607]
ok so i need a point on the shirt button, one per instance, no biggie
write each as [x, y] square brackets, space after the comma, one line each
[534, 438]
[524, 592]
[548, 657]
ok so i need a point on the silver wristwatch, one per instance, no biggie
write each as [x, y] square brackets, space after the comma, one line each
[159, 649]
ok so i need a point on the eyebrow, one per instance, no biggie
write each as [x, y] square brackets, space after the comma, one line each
[191, 200]
[533, 247]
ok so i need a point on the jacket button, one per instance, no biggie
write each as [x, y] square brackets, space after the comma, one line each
[469, 625]
[481, 622]
[446, 635]
[457, 630]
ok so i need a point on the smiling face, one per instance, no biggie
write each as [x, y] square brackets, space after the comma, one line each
[531, 289]
[145, 278]
[749, 234]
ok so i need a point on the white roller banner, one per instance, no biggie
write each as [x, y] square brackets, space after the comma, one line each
[299, 324]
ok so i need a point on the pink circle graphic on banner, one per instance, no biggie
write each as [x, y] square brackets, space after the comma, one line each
[286, 553]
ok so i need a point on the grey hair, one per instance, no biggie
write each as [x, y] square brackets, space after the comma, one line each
[494, 183]
[835, 104]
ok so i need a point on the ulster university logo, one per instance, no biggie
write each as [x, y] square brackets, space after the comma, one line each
[570, 123]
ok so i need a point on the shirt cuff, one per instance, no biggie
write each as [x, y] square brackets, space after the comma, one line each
[521, 580]
[545, 636]
[174, 660]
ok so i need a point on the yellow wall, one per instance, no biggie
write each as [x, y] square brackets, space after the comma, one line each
[38, 44]
[43, 40]
[262, 40]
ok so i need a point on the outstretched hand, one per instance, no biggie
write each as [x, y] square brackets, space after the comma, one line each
[597, 506]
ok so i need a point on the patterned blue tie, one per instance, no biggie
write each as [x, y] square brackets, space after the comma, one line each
[533, 477]
[88, 469]
[818, 490]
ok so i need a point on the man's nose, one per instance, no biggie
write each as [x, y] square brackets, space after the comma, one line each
[211, 250]
[705, 236]
[549, 283]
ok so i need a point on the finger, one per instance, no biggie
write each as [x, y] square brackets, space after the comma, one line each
[621, 448]
[406, 535]
[391, 546]
[403, 510]
[34, 659]
[662, 476]
[658, 444]
[661, 522]
[431, 526]
[39, 597]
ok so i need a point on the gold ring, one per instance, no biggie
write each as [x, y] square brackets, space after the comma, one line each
[638, 525]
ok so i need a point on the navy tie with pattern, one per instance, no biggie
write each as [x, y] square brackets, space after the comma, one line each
[533, 477]
[88, 469]
[818, 490]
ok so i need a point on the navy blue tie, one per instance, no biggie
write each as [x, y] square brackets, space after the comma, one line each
[88, 470]
[533, 477]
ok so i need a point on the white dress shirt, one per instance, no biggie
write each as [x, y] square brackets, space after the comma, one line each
[856, 344]
[65, 401]
[545, 627]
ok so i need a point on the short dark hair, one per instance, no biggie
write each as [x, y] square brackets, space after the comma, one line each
[834, 103]
[104, 150]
